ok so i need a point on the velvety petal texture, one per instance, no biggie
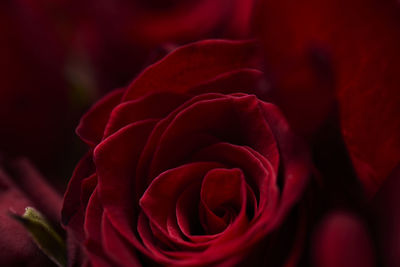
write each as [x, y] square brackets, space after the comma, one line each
[189, 167]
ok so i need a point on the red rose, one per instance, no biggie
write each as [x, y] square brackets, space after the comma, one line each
[187, 166]
[22, 186]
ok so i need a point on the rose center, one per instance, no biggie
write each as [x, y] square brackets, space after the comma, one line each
[222, 197]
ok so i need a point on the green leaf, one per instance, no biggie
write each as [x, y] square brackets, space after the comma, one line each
[44, 235]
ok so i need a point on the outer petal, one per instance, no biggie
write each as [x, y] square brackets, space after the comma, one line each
[72, 196]
[191, 65]
[93, 227]
[116, 158]
[363, 53]
[92, 125]
[151, 106]
[118, 248]
[237, 81]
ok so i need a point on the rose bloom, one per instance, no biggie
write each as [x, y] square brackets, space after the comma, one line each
[188, 166]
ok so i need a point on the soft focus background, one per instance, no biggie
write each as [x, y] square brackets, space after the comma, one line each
[57, 57]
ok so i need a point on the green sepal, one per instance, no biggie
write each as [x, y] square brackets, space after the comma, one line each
[46, 238]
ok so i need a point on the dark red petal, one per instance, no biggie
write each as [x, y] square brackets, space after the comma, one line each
[118, 249]
[364, 55]
[237, 120]
[92, 226]
[87, 187]
[72, 196]
[154, 139]
[151, 106]
[260, 174]
[187, 217]
[242, 80]
[92, 125]
[116, 158]
[343, 240]
[223, 195]
[160, 198]
[191, 65]
[149, 242]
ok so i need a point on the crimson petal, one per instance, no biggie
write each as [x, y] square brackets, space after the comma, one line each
[192, 65]
[92, 125]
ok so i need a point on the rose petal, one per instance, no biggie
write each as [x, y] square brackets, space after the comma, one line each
[242, 80]
[92, 125]
[72, 196]
[117, 248]
[160, 198]
[258, 172]
[192, 64]
[92, 226]
[187, 217]
[222, 191]
[115, 159]
[234, 119]
[87, 187]
[153, 140]
[152, 106]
